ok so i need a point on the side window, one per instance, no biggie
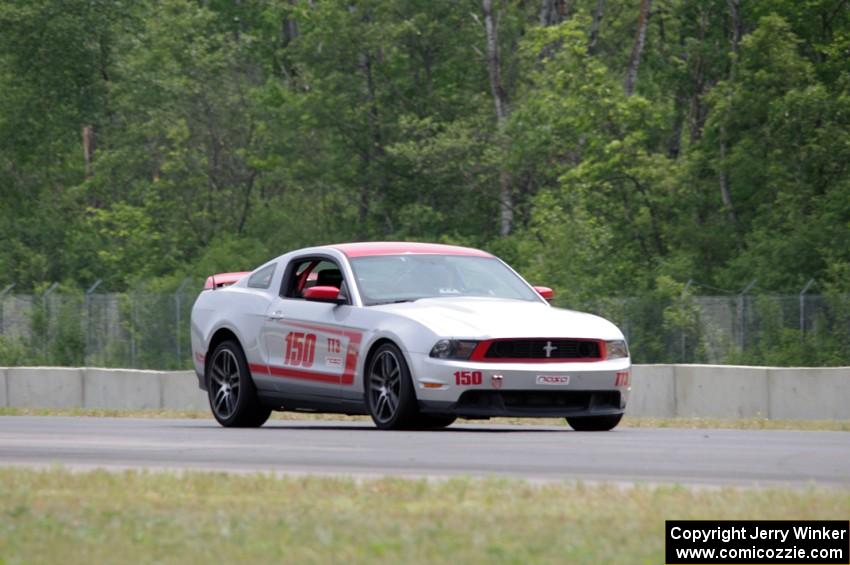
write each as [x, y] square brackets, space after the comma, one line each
[307, 273]
[263, 277]
[325, 273]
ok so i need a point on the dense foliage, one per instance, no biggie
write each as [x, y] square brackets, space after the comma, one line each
[604, 147]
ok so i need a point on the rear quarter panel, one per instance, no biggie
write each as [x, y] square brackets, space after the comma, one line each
[240, 310]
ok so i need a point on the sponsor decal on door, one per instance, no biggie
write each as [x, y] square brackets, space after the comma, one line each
[313, 352]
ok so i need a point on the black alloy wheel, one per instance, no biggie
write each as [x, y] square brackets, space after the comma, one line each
[389, 390]
[232, 395]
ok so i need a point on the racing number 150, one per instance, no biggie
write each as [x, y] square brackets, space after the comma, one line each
[300, 349]
[468, 377]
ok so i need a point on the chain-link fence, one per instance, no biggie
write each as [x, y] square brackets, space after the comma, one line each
[151, 330]
[145, 330]
[781, 330]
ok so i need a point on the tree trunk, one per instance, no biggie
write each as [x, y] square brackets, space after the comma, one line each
[553, 12]
[675, 144]
[89, 146]
[637, 48]
[494, 63]
[375, 149]
[737, 26]
[289, 32]
[594, 26]
[364, 198]
[697, 110]
[723, 177]
[500, 101]
[680, 107]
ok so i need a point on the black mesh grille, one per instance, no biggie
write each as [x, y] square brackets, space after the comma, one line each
[540, 401]
[543, 349]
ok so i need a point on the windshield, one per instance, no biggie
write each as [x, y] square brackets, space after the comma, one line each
[401, 278]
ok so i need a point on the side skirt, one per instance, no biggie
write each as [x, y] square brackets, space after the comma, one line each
[312, 403]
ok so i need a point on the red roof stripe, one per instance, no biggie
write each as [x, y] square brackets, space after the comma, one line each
[367, 249]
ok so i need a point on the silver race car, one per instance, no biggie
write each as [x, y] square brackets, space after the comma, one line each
[413, 334]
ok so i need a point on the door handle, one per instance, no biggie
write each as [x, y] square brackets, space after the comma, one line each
[276, 315]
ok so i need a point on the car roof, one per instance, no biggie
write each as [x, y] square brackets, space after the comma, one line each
[372, 248]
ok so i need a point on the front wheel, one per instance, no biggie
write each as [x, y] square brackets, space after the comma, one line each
[233, 398]
[594, 423]
[389, 390]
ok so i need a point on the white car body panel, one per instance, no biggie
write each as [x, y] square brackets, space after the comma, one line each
[261, 320]
[484, 318]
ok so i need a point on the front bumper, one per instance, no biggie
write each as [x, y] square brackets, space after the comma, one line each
[528, 403]
[521, 389]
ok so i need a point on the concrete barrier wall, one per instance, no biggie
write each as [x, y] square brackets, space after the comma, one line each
[45, 387]
[111, 389]
[810, 393]
[728, 391]
[658, 391]
[180, 391]
[739, 392]
[4, 387]
[121, 389]
[653, 391]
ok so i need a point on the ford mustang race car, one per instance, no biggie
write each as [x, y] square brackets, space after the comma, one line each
[413, 334]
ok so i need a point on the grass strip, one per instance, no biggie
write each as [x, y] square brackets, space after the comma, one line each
[628, 422]
[59, 516]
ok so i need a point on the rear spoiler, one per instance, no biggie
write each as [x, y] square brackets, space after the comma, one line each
[223, 279]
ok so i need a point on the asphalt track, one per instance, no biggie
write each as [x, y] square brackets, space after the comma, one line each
[625, 455]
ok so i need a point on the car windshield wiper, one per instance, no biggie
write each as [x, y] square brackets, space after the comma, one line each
[393, 301]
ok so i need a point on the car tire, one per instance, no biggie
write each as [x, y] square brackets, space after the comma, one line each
[594, 423]
[390, 397]
[231, 391]
[433, 421]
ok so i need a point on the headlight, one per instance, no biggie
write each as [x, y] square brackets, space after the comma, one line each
[453, 349]
[616, 349]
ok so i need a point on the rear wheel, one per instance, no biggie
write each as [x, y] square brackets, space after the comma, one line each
[389, 390]
[594, 423]
[233, 398]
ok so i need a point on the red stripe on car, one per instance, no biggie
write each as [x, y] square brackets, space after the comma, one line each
[351, 356]
[294, 373]
[479, 354]
[367, 249]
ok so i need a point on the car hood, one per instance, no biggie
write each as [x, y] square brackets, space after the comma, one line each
[486, 318]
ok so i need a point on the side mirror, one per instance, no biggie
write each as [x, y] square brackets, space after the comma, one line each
[545, 292]
[323, 294]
